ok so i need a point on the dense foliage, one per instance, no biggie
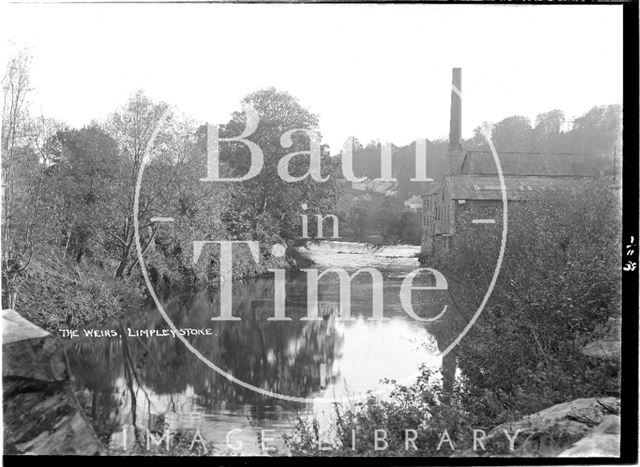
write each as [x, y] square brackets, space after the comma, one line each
[69, 244]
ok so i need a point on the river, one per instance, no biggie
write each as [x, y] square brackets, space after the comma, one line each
[151, 381]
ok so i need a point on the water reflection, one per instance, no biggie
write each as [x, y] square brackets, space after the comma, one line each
[153, 381]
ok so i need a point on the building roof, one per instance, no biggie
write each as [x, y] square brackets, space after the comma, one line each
[528, 164]
[474, 187]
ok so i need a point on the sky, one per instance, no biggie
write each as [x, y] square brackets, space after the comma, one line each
[376, 72]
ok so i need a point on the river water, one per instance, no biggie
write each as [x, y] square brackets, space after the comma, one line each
[151, 381]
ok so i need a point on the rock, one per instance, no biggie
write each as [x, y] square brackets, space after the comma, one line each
[16, 328]
[603, 348]
[580, 426]
[609, 346]
[610, 425]
[595, 446]
[41, 414]
[36, 359]
[603, 442]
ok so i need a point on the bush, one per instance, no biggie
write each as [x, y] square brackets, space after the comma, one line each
[558, 284]
[421, 407]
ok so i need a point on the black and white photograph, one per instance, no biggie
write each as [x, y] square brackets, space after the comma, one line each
[365, 230]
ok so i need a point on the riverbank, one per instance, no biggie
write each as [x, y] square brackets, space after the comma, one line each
[56, 292]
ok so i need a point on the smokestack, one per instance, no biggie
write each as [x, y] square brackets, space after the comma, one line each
[455, 125]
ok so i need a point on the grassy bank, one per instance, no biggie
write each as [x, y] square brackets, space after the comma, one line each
[56, 293]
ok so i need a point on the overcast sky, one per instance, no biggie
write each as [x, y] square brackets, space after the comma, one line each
[372, 71]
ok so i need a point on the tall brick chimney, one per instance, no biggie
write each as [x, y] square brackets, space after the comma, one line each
[455, 152]
[455, 125]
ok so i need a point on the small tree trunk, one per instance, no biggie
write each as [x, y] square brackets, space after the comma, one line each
[66, 246]
[124, 259]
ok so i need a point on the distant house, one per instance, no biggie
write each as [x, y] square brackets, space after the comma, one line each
[385, 187]
[414, 203]
[472, 191]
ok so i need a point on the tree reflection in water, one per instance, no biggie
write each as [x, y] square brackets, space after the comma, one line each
[128, 380]
[146, 381]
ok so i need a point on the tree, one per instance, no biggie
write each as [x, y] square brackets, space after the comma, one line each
[132, 128]
[598, 131]
[23, 165]
[548, 133]
[480, 135]
[512, 134]
[268, 208]
[86, 171]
